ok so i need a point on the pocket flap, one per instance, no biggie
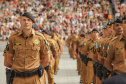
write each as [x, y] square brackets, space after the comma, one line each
[36, 48]
[17, 47]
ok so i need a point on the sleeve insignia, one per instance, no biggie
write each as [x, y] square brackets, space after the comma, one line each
[108, 47]
[8, 42]
[103, 46]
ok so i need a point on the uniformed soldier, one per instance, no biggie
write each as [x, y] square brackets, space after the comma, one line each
[88, 52]
[73, 44]
[54, 49]
[81, 46]
[96, 56]
[25, 52]
[61, 43]
[54, 37]
[68, 44]
[114, 58]
[78, 42]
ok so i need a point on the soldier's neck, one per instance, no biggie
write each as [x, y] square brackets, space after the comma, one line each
[26, 33]
[95, 39]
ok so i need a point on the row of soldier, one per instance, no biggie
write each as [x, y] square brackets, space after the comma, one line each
[32, 56]
[99, 57]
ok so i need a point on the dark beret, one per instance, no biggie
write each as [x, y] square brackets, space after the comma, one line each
[113, 22]
[88, 32]
[27, 14]
[109, 23]
[82, 35]
[35, 27]
[104, 27]
[124, 17]
[95, 29]
[118, 20]
[47, 32]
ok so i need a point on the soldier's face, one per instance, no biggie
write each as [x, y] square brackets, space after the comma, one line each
[109, 29]
[118, 28]
[26, 23]
[124, 26]
[94, 34]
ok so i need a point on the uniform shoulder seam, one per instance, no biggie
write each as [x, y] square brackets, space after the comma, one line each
[14, 33]
[88, 39]
[39, 34]
[115, 38]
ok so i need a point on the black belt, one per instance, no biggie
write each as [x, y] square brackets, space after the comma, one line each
[26, 74]
[89, 59]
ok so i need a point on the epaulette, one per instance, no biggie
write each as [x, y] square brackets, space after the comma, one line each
[38, 34]
[14, 33]
[88, 39]
[114, 38]
[41, 36]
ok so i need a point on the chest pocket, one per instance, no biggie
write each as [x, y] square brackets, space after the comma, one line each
[35, 51]
[18, 51]
[119, 52]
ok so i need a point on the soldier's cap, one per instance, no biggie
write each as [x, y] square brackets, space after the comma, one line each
[95, 29]
[113, 22]
[118, 20]
[88, 32]
[29, 15]
[35, 27]
[124, 17]
[82, 35]
[109, 23]
[45, 31]
[104, 27]
[49, 33]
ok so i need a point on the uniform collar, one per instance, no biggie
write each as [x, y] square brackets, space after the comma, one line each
[121, 37]
[32, 33]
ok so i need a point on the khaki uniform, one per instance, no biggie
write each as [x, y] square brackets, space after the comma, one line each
[74, 40]
[68, 44]
[95, 51]
[115, 54]
[52, 45]
[56, 56]
[83, 66]
[25, 55]
[79, 40]
[90, 71]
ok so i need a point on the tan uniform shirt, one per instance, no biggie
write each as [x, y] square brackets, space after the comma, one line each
[59, 42]
[26, 53]
[115, 54]
[88, 48]
[106, 43]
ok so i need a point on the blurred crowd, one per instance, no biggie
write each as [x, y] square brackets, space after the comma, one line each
[64, 16]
